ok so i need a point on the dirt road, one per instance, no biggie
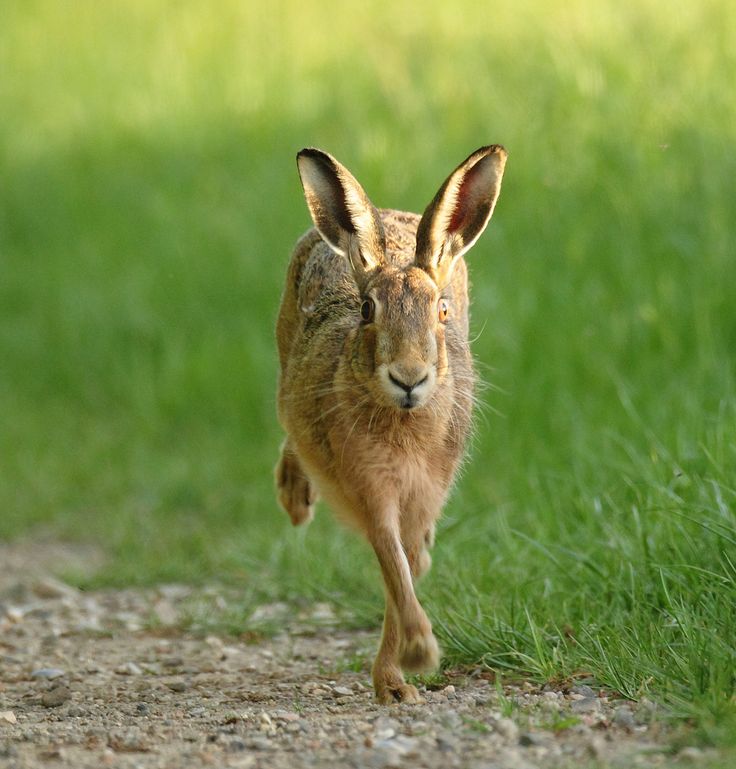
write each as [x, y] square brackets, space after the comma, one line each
[107, 679]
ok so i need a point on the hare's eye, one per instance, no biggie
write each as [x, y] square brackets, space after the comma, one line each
[367, 310]
[443, 310]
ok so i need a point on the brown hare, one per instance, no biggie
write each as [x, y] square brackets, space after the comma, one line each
[376, 384]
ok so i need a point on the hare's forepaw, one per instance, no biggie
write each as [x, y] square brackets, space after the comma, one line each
[296, 492]
[390, 687]
[419, 652]
[394, 695]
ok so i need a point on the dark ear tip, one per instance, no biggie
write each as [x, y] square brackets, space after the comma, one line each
[318, 157]
[492, 149]
[312, 153]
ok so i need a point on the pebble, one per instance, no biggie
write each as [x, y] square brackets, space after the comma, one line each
[623, 717]
[584, 691]
[342, 691]
[8, 717]
[48, 673]
[529, 740]
[129, 669]
[507, 729]
[257, 743]
[384, 728]
[48, 587]
[14, 614]
[596, 746]
[691, 754]
[56, 697]
[177, 686]
[284, 715]
[587, 705]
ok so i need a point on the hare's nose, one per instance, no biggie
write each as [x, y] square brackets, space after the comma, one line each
[407, 386]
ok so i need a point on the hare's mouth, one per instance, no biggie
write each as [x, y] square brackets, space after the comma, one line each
[406, 392]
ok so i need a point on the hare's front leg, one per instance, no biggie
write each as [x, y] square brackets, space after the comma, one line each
[413, 647]
[388, 681]
[296, 492]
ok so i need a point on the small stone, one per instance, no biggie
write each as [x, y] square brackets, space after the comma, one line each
[583, 691]
[48, 587]
[7, 717]
[587, 705]
[404, 746]
[385, 728]
[56, 696]
[448, 691]
[529, 740]
[269, 612]
[177, 686]
[141, 709]
[451, 719]
[130, 741]
[174, 592]
[285, 715]
[507, 729]
[48, 673]
[596, 746]
[257, 743]
[691, 754]
[129, 669]
[446, 742]
[14, 614]
[166, 612]
[623, 717]
[342, 691]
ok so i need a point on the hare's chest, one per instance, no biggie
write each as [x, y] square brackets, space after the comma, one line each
[405, 476]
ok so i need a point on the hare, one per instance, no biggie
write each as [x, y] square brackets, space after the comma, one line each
[376, 383]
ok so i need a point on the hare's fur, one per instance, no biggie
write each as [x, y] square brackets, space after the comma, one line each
[377, 412]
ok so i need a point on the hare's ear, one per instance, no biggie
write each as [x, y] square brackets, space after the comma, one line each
[460, 211]
[341, 211]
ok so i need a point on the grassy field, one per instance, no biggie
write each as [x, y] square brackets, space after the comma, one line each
[148, 203]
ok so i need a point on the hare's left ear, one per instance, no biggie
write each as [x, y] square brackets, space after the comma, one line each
[460, 211]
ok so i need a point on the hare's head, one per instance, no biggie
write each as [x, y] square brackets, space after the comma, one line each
[406, 304]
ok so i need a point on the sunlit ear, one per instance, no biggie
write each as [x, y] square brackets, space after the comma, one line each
[460, 211]
[341, 211]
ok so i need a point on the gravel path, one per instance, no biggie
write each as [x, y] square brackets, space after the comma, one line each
[86, 682]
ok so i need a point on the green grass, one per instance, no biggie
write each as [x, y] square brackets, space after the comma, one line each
[148, 203]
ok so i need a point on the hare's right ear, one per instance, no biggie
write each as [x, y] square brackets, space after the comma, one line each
[341, 211]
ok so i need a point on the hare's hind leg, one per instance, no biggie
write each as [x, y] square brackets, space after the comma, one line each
[388, 682]
[296, 492]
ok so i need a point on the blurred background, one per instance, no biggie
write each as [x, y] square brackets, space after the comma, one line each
[149, 201]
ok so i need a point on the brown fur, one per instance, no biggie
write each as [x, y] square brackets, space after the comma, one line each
[385, 468]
